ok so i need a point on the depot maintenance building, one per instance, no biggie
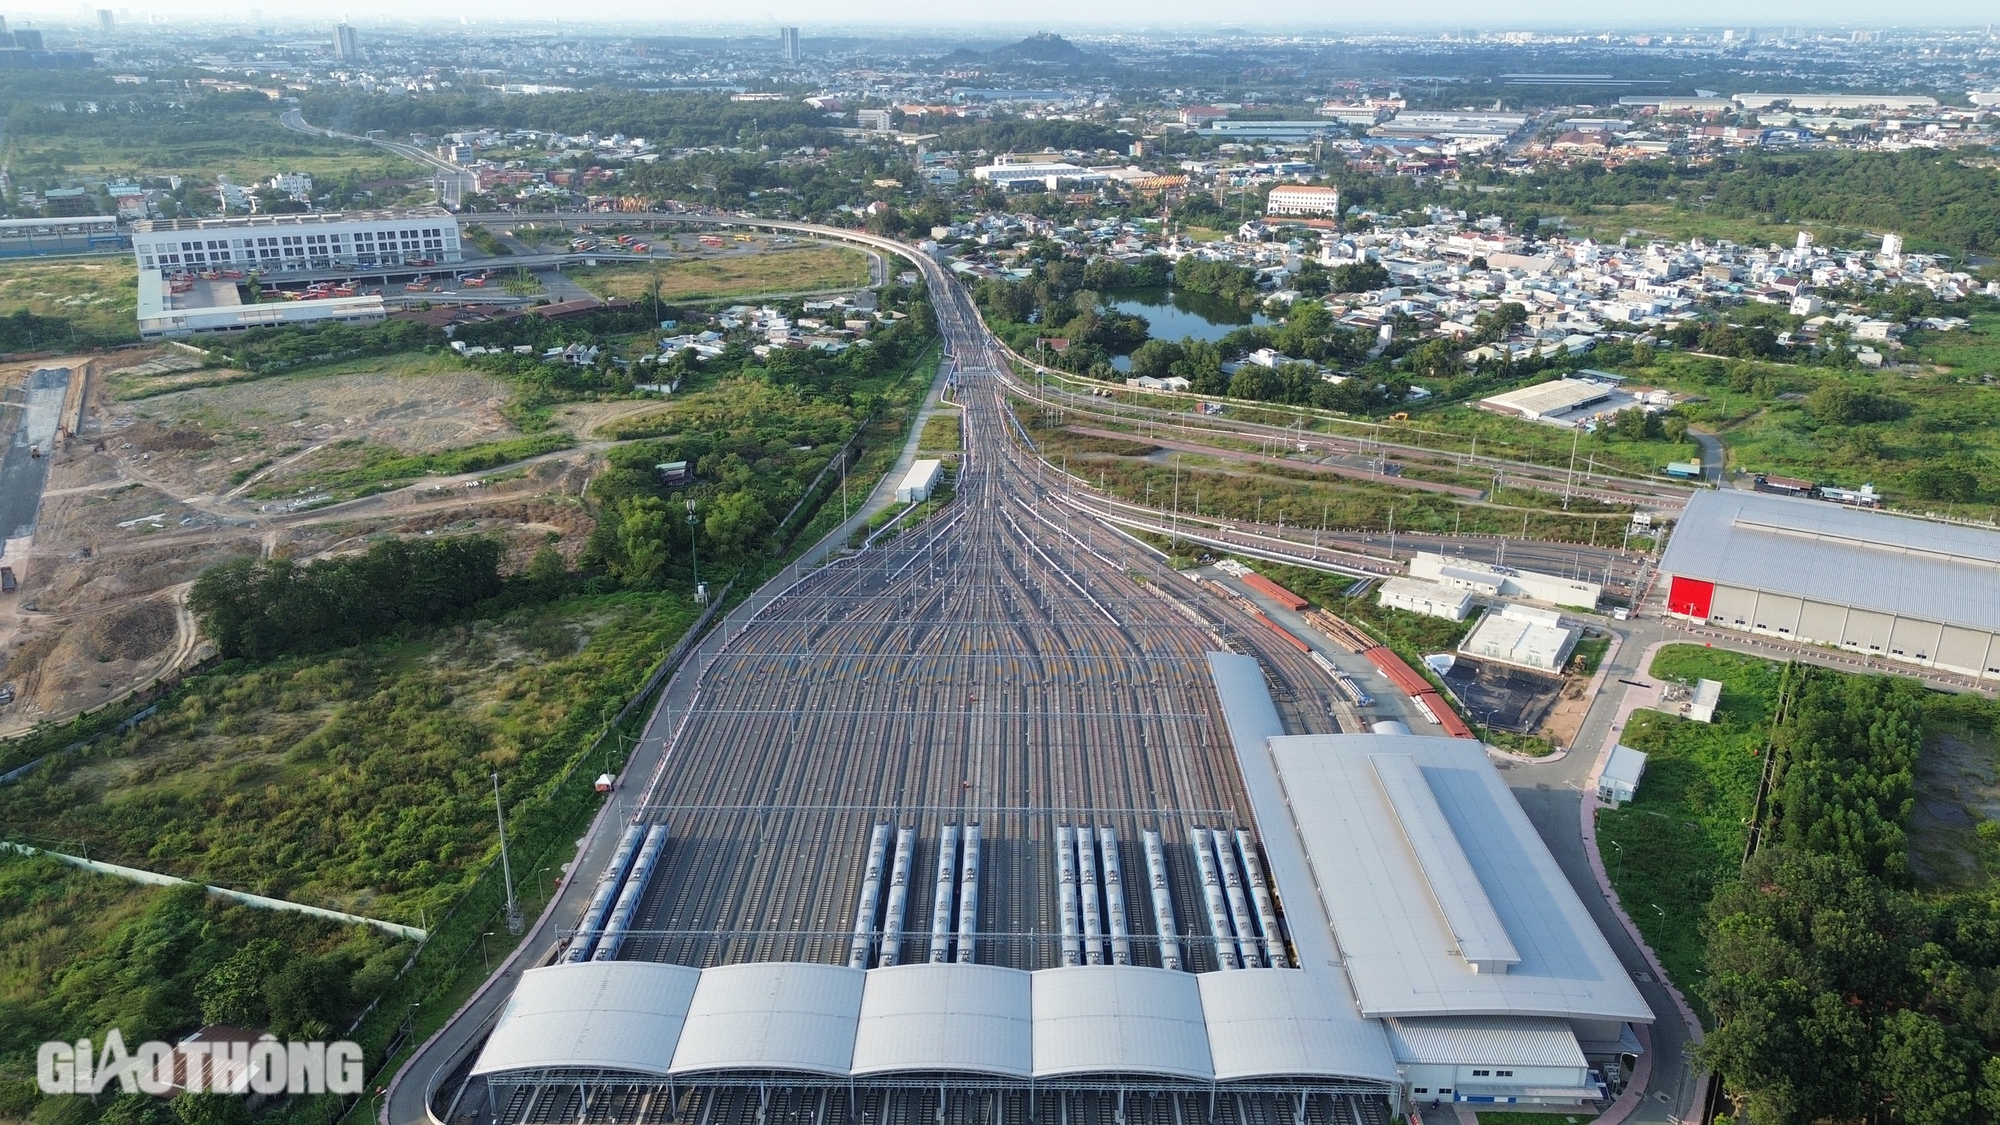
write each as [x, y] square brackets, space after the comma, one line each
[1905, 589]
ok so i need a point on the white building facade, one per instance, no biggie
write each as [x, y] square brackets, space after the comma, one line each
[1304, 200]
[318, 241]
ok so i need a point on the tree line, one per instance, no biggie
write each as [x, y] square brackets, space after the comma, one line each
[261, 608]
[1945, 198]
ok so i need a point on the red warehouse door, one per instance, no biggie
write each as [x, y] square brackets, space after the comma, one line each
[1690, 597]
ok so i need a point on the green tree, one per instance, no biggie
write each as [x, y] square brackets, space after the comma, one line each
[1305, 331]
[1359, 277]
[1156, 358]
[211, 1109]
[1312, 280]
[307, 997]
[642, 541]
[233, 992]
[734, 522]
[1944, 480]
[1843, 404]
[547, 569]
[1928, 1075]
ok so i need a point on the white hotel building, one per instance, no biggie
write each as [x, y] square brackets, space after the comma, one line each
[315, 241]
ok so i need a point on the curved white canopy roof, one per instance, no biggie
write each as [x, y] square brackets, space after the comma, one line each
[1274, 1023]
[946, 1018]
[1119, 1019]
[772, 1015]
[617, 1015]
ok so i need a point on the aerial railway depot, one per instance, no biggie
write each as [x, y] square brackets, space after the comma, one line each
[972, 827]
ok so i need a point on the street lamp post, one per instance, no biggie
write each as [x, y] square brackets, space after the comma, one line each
[506, 866]
[488, 961]
[694, 550]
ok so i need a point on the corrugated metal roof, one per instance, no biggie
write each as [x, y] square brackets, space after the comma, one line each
[1625, 764]
[1482, 940]
[1353, 1044]
[946, 1018]
[1278, 1023]
[1400, 955]
[1846, 556]
[772, 1015]
[1503, 1040]
[924, 1018]
[1119, 1019]
[615, 1015]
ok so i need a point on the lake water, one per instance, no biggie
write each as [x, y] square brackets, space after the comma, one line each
[1175, 315]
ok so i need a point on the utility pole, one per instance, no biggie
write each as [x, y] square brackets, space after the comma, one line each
[506, 866]
[1570, 480]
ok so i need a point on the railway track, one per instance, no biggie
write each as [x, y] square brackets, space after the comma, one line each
[1008, 661]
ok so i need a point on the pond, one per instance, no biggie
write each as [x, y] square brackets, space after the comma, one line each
[1175, 315]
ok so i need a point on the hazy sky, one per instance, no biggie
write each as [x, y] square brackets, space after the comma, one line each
[1067, 15]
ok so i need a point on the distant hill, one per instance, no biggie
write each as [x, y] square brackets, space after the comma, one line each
[1046, 47]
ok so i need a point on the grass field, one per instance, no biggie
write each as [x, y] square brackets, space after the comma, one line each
[262, 149]
[340, 779]
[797, 270]
[1453, 428]
[1518, 1117]
[941, 433]
[1973, 352]
[98, 295]
[1670, 849]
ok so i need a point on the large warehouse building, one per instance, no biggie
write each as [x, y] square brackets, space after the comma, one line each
[1825, 574]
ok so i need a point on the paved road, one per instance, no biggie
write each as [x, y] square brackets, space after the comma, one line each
[1714, 459]
[1552, 795]
[561, 288]
[22, 473]
[453, 182]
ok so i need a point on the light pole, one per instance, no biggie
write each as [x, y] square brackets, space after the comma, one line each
[694, 551]
[506, 866]
[487, 961]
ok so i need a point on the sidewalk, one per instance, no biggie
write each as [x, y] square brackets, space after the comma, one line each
[1634, 699]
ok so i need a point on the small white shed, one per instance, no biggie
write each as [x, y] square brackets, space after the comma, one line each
[1701, 707]
[1619, 782]
[923, 477]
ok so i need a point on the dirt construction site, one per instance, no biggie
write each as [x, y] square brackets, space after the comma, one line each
[114, 504]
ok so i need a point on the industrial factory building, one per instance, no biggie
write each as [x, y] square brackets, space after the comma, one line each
[1522, 636]
[1493, 581]
[1428, 598]
[1827, 574]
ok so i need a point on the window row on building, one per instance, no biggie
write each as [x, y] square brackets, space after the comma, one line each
[359, 245]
